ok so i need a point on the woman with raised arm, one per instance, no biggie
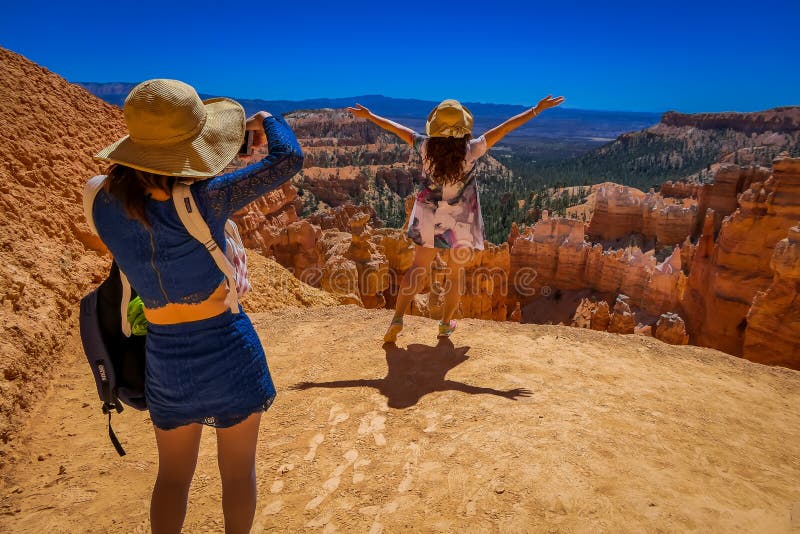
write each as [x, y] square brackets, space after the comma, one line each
[204, 362]
[446, 213]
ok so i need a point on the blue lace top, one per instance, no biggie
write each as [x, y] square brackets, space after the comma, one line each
[163, 262]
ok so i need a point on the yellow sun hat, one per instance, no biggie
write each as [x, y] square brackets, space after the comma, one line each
[449, 119]
[174, 133]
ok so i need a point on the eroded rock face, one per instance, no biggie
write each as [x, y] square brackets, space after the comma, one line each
[773, 321]
[49, 131]
[617, 213]
[553, 254]
[338, 218]
[622, 320]
[727, 273]
[679, 189]
[346, 156]
[621, 213]
[722, 196]
[592, 314]
[782, 119]
[671, 329]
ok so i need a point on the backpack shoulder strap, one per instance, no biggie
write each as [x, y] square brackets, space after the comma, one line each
[197, 227]
[90, 191]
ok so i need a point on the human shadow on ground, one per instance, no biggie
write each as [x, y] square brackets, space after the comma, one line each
[416, 371]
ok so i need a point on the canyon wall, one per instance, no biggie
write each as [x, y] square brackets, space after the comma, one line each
[49, 130]
[782, 119]
[728, 272]
[556, 255]
[740, 270]
[773, 321]
[621, 213]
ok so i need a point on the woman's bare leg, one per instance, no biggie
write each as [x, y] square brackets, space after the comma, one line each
[236, 454]
[411, 284]
[454, 282]
[414, 279]
[177, 458]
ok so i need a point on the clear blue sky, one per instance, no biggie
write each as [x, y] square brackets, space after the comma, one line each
[646, 55]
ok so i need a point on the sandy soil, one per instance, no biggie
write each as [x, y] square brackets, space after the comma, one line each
[616, 434]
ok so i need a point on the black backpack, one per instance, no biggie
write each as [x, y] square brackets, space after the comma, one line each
[117, 361]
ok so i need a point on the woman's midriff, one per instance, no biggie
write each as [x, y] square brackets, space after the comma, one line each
[174, 313]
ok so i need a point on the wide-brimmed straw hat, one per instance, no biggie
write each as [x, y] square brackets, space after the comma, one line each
[449, 119]
[174, 133]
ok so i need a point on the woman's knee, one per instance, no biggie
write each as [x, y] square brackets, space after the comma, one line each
[238, 478]
[177, 454]
[236, 449]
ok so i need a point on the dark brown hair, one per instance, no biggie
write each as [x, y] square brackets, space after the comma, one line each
[445, 157]
[130, 186]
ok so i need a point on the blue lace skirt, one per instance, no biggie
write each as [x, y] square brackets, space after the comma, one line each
[212, 372]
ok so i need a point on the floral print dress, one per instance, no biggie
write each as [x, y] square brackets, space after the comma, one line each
[448, 216]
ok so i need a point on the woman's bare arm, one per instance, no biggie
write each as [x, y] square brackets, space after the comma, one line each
[498, 132]
[403, 132]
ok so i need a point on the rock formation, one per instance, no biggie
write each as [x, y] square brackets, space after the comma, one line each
[782, 119]
[622, 320]
[679, 189]
[671, 329]
[554, 254]
[49, 131]
[722, 196]
[727, 273]
[622, 214]
[338, 218]
[773, 321]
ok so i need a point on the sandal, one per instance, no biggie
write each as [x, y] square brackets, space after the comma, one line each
[446, 329]
[394, 328]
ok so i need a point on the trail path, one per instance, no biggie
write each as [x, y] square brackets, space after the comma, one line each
[617, 434]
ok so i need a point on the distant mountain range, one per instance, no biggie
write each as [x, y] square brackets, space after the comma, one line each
[560, 123]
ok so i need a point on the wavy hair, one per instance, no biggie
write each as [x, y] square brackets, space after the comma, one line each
[445, 157]
[130, 186]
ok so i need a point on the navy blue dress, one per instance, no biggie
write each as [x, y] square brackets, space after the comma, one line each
[211, 371]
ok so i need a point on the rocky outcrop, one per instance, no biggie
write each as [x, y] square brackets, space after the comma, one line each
[338, 218]
[622, 320]
[782, 119]
[399, 178]
[351, 160]
[597, 315]
[679, 189]
[728, 272]
[49, 130]
[671, 329]
[622, 214]
[334, 185]
[592, 314]
[355, 267]
[553, 254]
[773, 321]
[722, 196]
[617, 213]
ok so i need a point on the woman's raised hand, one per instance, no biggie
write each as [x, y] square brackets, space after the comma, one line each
[256, 123]
[548, 102]
[359, 111]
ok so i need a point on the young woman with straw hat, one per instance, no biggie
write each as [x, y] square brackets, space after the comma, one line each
[446, 213]
[205, 364]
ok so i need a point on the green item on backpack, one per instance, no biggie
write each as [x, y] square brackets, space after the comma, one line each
[136, 317]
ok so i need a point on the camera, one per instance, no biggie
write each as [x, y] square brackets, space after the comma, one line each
[247, 146]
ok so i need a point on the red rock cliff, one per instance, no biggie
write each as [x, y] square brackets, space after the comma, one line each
[726, 274]
[49, 130]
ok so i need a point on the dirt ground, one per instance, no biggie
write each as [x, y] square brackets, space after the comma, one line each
[509, 428]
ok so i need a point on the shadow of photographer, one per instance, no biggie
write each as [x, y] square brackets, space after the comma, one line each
[416, 371]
